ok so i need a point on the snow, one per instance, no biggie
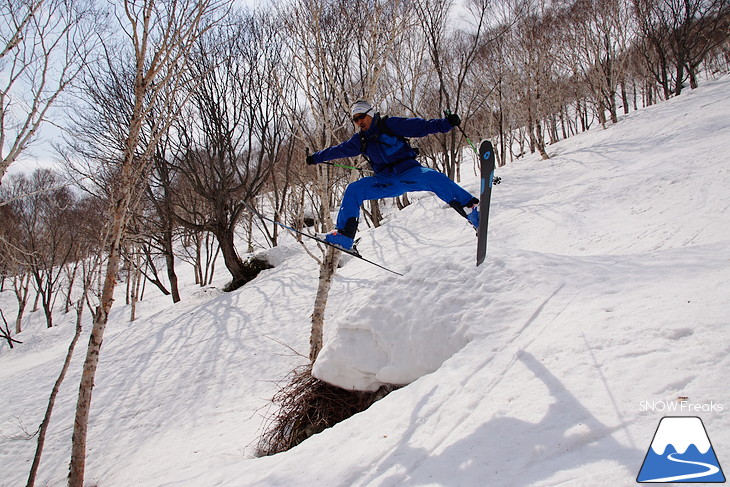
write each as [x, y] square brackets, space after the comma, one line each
[606, 288]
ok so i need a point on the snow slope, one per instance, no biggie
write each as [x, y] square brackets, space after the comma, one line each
[605, 296]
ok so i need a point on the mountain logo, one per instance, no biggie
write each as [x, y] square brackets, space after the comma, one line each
[681, 452]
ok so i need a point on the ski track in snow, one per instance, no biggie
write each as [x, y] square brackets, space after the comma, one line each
[605, 285]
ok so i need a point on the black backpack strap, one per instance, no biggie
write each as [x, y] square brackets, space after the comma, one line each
[384, 129]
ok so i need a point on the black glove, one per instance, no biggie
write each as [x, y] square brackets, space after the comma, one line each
[453, 119]
[310, 160]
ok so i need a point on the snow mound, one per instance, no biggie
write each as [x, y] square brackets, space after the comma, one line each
[386, 346]
[394, 330]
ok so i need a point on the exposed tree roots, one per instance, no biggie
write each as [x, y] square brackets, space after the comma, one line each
[307, 406]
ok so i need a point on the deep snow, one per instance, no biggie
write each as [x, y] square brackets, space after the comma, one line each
[605, 296]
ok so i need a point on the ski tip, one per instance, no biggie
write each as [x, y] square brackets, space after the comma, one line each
[486, 151]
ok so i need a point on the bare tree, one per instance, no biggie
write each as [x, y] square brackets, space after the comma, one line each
[492, 76]
[42, 237]
[5, 332]
[433, 17]
[12, 255]
[680, 33]
[161, 37]
[229, 139]
[160, 221]
[44, 46]
[277, 87]
[595, 36]
[199, 247]
[339, 51]
[89, 262]
[532, 56]
[51, 236]
[454, 57]
[321, 54]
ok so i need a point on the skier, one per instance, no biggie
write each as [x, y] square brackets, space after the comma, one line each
[383, 142]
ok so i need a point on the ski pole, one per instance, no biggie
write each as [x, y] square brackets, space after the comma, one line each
[346, 167]
[469, 140]
[496, 179]
[448, 112]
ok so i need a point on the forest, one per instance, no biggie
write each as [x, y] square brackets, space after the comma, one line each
[177, 115]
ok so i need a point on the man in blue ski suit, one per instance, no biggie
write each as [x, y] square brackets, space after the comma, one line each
[382, 140]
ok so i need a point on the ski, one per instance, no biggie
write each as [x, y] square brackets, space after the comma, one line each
[486, 164]
[352, 252]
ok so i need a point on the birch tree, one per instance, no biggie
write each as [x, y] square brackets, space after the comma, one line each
[454, 54]
[339, 52]
[320, 54]
[44, 45]
[88, 264]
[161, 37]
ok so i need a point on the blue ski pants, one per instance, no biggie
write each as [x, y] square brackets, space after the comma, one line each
[390, 186]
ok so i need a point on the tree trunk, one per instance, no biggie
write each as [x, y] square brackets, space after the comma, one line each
[375, 215]
[136, 278]
[538, 141]
[19, 318]
[49, 314]
[601, 112]
[169, 252]
[52, 400]
[624, 97]
[612, 106]
[678, 83]
[172, 275]
[326, 272]
[230, 258]
[83, 405]
[71, 280]
[693, 82]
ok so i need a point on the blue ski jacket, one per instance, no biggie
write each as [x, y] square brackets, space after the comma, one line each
[384, 144]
